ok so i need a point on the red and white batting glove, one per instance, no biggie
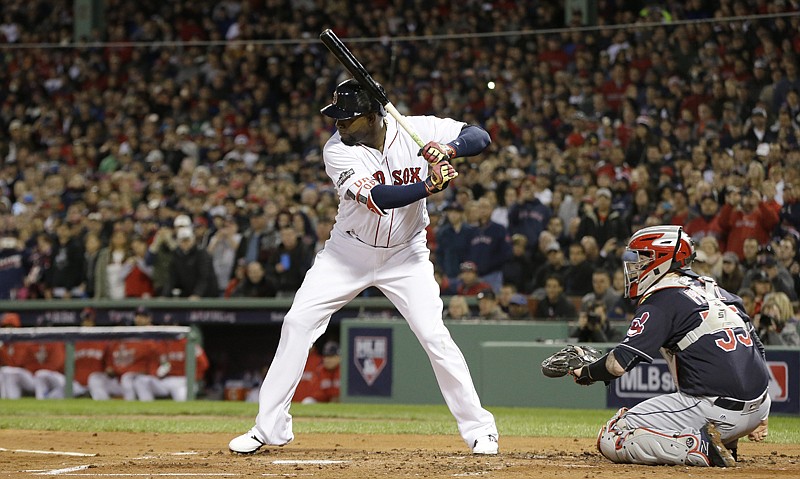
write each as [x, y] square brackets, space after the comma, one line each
[442, 173]
[435, 152]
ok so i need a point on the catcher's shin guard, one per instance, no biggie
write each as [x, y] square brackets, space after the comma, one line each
[645, 446]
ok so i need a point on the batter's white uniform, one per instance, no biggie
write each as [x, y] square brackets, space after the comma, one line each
[388, 252]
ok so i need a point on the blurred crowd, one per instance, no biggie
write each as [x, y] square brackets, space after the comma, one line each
[195, 170]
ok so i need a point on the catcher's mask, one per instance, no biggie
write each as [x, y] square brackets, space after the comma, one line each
[653, 252]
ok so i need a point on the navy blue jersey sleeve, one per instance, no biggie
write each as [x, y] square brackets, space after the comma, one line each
[650, 328]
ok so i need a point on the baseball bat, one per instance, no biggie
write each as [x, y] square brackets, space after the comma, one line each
[363, 77]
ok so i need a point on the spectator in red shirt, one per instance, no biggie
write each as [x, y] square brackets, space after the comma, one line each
[707, 222]
[745, 215]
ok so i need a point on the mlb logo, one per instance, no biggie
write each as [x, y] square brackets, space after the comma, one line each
[778, 381]
[370, 354]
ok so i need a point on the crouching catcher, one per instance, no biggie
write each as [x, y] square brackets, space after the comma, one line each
[713, 352]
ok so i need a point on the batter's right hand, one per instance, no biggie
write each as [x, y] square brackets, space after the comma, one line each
[441, 175]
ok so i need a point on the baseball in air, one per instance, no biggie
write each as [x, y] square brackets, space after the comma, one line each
[490, 85]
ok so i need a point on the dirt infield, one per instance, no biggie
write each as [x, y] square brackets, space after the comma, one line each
[336, 456]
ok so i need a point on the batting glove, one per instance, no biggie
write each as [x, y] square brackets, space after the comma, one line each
[442, 173]
[435, 152]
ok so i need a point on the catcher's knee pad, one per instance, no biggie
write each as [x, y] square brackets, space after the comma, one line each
[645, 446]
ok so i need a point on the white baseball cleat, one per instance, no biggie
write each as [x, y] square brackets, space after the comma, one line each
[485, 445]
[247, 443]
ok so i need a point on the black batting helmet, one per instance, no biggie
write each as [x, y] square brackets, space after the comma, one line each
[350, 100]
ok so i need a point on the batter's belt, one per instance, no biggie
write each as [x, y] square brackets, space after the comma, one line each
[737, 405]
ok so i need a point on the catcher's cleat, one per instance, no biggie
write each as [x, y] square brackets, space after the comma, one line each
[718, 454]
[247, 443]
[485, 445]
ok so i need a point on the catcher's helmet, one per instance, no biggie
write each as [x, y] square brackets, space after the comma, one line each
[350, 100]
[653, 252]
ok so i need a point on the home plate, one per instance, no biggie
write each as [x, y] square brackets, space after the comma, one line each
[311, 461]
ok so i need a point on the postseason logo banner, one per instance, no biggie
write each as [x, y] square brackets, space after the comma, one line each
[649, 380]
[370, 363]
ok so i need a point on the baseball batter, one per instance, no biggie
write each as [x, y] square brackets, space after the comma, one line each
[378, 240]
[714, 354]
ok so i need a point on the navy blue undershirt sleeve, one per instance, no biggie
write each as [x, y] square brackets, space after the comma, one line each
[387, 197]
[471, 141]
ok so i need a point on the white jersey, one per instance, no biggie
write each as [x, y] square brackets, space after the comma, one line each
[349, 166]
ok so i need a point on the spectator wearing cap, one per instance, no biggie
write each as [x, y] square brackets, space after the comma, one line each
[758, 131]
[603, 223]
[529, 216]
[732, 274]
[556, 265]
[240, 152]
[554, 304]
[321, 382]
[745, 215]
[490, 247]
[191, 272]
[469, 283]
[518, 269]
[454, 236]
[706, 223]
[777, 275]
[488, 308]
[518, 307]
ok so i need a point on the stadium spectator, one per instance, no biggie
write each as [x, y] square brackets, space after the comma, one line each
[457, 308]
[191, 273]
[222, 248]
[518, 308]
[488, 307]
[593, 325]
[776, 322]
[112, 267]
[66, 273]
[255, 284]
[490, 246]
[579, 280]
[555, 304]
[518, 269]
[601, 291]
[469, 283]
[732, 274]
[745, 215]
[455, 235]
[138, 281]
[290, 262]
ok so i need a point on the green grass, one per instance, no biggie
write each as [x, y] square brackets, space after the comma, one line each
[235, 417]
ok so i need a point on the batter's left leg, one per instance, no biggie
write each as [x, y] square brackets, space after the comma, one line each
[412, 289]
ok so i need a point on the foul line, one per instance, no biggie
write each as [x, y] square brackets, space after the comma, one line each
[58, 472]
[59, 453]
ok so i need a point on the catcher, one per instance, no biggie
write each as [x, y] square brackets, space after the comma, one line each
[713, 352]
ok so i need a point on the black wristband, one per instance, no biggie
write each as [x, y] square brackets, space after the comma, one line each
[597, 371]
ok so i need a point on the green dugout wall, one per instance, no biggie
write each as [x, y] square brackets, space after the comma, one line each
[503, 357]
[382, 361]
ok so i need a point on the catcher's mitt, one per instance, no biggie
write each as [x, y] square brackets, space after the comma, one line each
[569, 358]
